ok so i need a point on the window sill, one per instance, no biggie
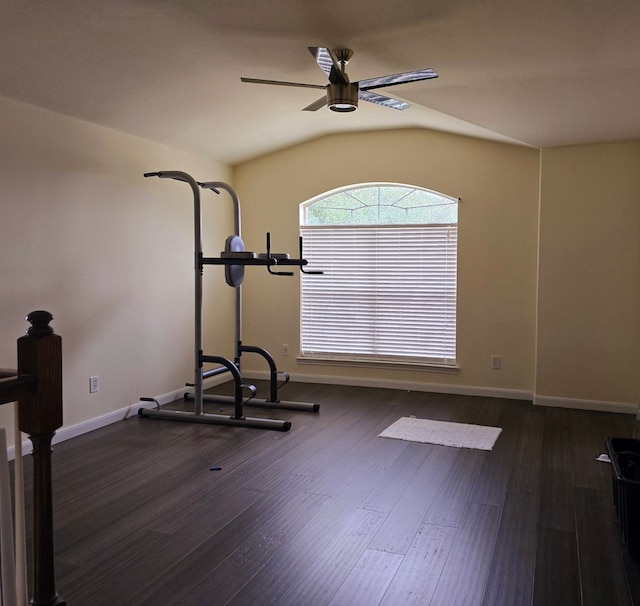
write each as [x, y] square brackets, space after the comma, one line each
[415, 366]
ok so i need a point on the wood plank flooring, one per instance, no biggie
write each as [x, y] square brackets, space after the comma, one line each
[331, 514]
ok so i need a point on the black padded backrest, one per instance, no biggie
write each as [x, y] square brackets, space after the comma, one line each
[234, 274]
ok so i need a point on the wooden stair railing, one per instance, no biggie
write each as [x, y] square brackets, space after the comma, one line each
[37, 387]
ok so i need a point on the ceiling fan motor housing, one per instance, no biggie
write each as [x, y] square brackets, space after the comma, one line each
[342, 97]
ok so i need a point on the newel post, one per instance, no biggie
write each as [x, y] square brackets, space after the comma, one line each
[40, 414]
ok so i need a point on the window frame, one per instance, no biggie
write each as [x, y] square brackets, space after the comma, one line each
[394, 357]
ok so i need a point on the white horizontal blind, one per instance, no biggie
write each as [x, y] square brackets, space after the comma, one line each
[388, 293]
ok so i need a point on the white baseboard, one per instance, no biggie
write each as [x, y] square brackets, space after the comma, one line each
[73, 431]
[463, 390]
[66, 433]
[578, 404]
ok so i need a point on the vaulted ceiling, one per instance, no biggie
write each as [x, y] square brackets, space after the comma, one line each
[545, 73]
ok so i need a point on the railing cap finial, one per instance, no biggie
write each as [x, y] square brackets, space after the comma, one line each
[39, 323]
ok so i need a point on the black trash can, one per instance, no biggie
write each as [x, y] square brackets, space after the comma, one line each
[625, 465]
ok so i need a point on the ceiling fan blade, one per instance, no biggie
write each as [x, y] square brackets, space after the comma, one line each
[329, 63]
[316, 105]
[322, 57]
[392, 80]
[383, 100]
[280, 83]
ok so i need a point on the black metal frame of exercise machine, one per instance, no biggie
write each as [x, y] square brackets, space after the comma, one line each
[234, 259]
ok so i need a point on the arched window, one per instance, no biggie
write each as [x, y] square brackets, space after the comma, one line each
[388, 292]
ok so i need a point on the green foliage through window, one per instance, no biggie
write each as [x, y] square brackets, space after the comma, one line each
[382, 204]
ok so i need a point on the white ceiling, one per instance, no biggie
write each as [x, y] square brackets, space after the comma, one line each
[545, 73]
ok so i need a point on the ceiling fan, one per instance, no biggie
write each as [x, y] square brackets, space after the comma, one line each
[341, 94]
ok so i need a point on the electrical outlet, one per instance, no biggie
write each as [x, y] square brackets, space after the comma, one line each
[496, 362]
[285, 349]
[94, 384]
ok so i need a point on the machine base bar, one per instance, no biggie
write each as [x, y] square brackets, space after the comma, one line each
[213, 419]
[258, 402]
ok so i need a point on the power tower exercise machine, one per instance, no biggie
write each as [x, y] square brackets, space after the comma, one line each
[234, 258]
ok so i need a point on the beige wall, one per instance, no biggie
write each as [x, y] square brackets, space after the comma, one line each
[499, 187]
[589, 284]
[109, 253]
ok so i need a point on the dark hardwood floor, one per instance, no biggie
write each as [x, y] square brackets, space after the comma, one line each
[329, 513]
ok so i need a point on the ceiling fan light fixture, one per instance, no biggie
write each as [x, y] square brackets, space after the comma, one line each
[342, 97]
[343, 107]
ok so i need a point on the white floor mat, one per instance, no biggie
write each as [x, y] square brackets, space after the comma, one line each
[458, 435]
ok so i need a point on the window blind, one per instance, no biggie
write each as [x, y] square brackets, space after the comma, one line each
[388, 293]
